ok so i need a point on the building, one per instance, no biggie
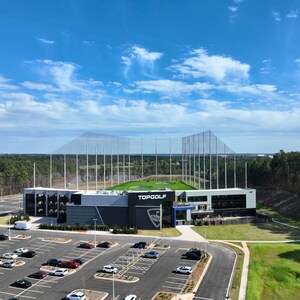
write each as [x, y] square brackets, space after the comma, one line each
[144, 210]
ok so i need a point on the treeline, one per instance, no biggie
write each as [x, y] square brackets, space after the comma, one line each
[280, 170]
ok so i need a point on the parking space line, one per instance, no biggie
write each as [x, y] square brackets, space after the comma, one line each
[34, 291]
[171, 287]
[177, 278]
[197, 297]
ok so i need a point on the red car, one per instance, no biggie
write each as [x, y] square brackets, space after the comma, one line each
[71, 264]
[38, 275]
[86, 246]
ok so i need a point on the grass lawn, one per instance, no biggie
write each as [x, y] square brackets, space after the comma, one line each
[151, 185]
[249, 232]
[274, 272]
[164, 232]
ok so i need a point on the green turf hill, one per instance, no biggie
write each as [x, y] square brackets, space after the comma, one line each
[151, 185]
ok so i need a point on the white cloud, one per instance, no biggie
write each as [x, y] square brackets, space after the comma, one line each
[45, 41]
[144, 58]
[292, 14]
[170, 87]
[88, 43]
[276, 15]
[38, 86]
[4, 84]
[215, 67]
[233, 8]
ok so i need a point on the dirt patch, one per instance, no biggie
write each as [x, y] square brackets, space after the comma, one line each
[93, 295]
[57, 240]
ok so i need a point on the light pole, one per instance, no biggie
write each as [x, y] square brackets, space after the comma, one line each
[9, 237]
[95, 220]
[205, 239]
[113, 286]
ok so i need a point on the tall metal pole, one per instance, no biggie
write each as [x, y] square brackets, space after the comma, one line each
[210, 175]
[129, 177]
[142, 158]
[225, 166]
[65, 169]
[199, 164]
[118, 162]
[170, 148]
[104, 167]
[111, 165]
[87, 165]
[204, 167]
[155, 159]
[234, 171]
[194, 161]
[217, 162]
[34, 174]
[77, 163]
[96, 175]
[246, 184]
[50, 179]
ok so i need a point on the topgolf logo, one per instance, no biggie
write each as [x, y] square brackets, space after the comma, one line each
[152, 197]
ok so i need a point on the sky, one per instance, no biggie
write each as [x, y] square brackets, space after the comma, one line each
[150, 68]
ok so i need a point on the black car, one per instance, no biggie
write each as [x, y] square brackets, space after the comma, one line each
[79, 260]
[54, 262]
[29, 254]
[12, 299]
[22, 283]
[140, 245]
[104, 245]
[3, 237]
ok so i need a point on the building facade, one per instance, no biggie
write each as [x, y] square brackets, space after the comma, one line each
[141, 209]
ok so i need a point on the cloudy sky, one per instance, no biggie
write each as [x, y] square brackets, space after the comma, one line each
[150, 68]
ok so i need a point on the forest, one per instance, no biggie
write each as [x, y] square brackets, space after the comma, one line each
[281, 170]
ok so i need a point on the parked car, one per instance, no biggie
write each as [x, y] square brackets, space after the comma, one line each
[8, 264]
[151, 254]
[70, 264]
[140, 245]
[131, 297]
[76, 296]
[54, 262]
[192, 256]
[9, 255]
[86, 246]
[184, 270]
[21, 250]
[59, 272]
[38, 275]
[3, 237]
[109, 269]
[22, 283]
[104, 245]
[29, 254]
[79, 260]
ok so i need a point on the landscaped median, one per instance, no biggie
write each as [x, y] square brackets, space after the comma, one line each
[192, 284]
[117, 277]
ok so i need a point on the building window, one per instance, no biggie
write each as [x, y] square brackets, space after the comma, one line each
[228, 201]
[197, 199]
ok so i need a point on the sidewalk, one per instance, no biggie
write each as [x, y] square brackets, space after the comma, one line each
[188, 234]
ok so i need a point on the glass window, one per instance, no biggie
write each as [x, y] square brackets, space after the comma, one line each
[228, 201]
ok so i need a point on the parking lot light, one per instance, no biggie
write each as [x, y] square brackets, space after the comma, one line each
[95, 220]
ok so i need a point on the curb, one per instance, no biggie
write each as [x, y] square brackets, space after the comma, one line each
[203, 273]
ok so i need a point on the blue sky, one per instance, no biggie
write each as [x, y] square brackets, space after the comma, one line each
[150, 68]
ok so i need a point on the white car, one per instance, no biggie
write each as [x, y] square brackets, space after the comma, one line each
[8, 264]
[76, 296]
[21, 250]
[9, 255]
[131, 297]
[184, 270]
[109, 269]
[60, 272]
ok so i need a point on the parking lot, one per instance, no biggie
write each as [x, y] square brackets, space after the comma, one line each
[151, 274]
